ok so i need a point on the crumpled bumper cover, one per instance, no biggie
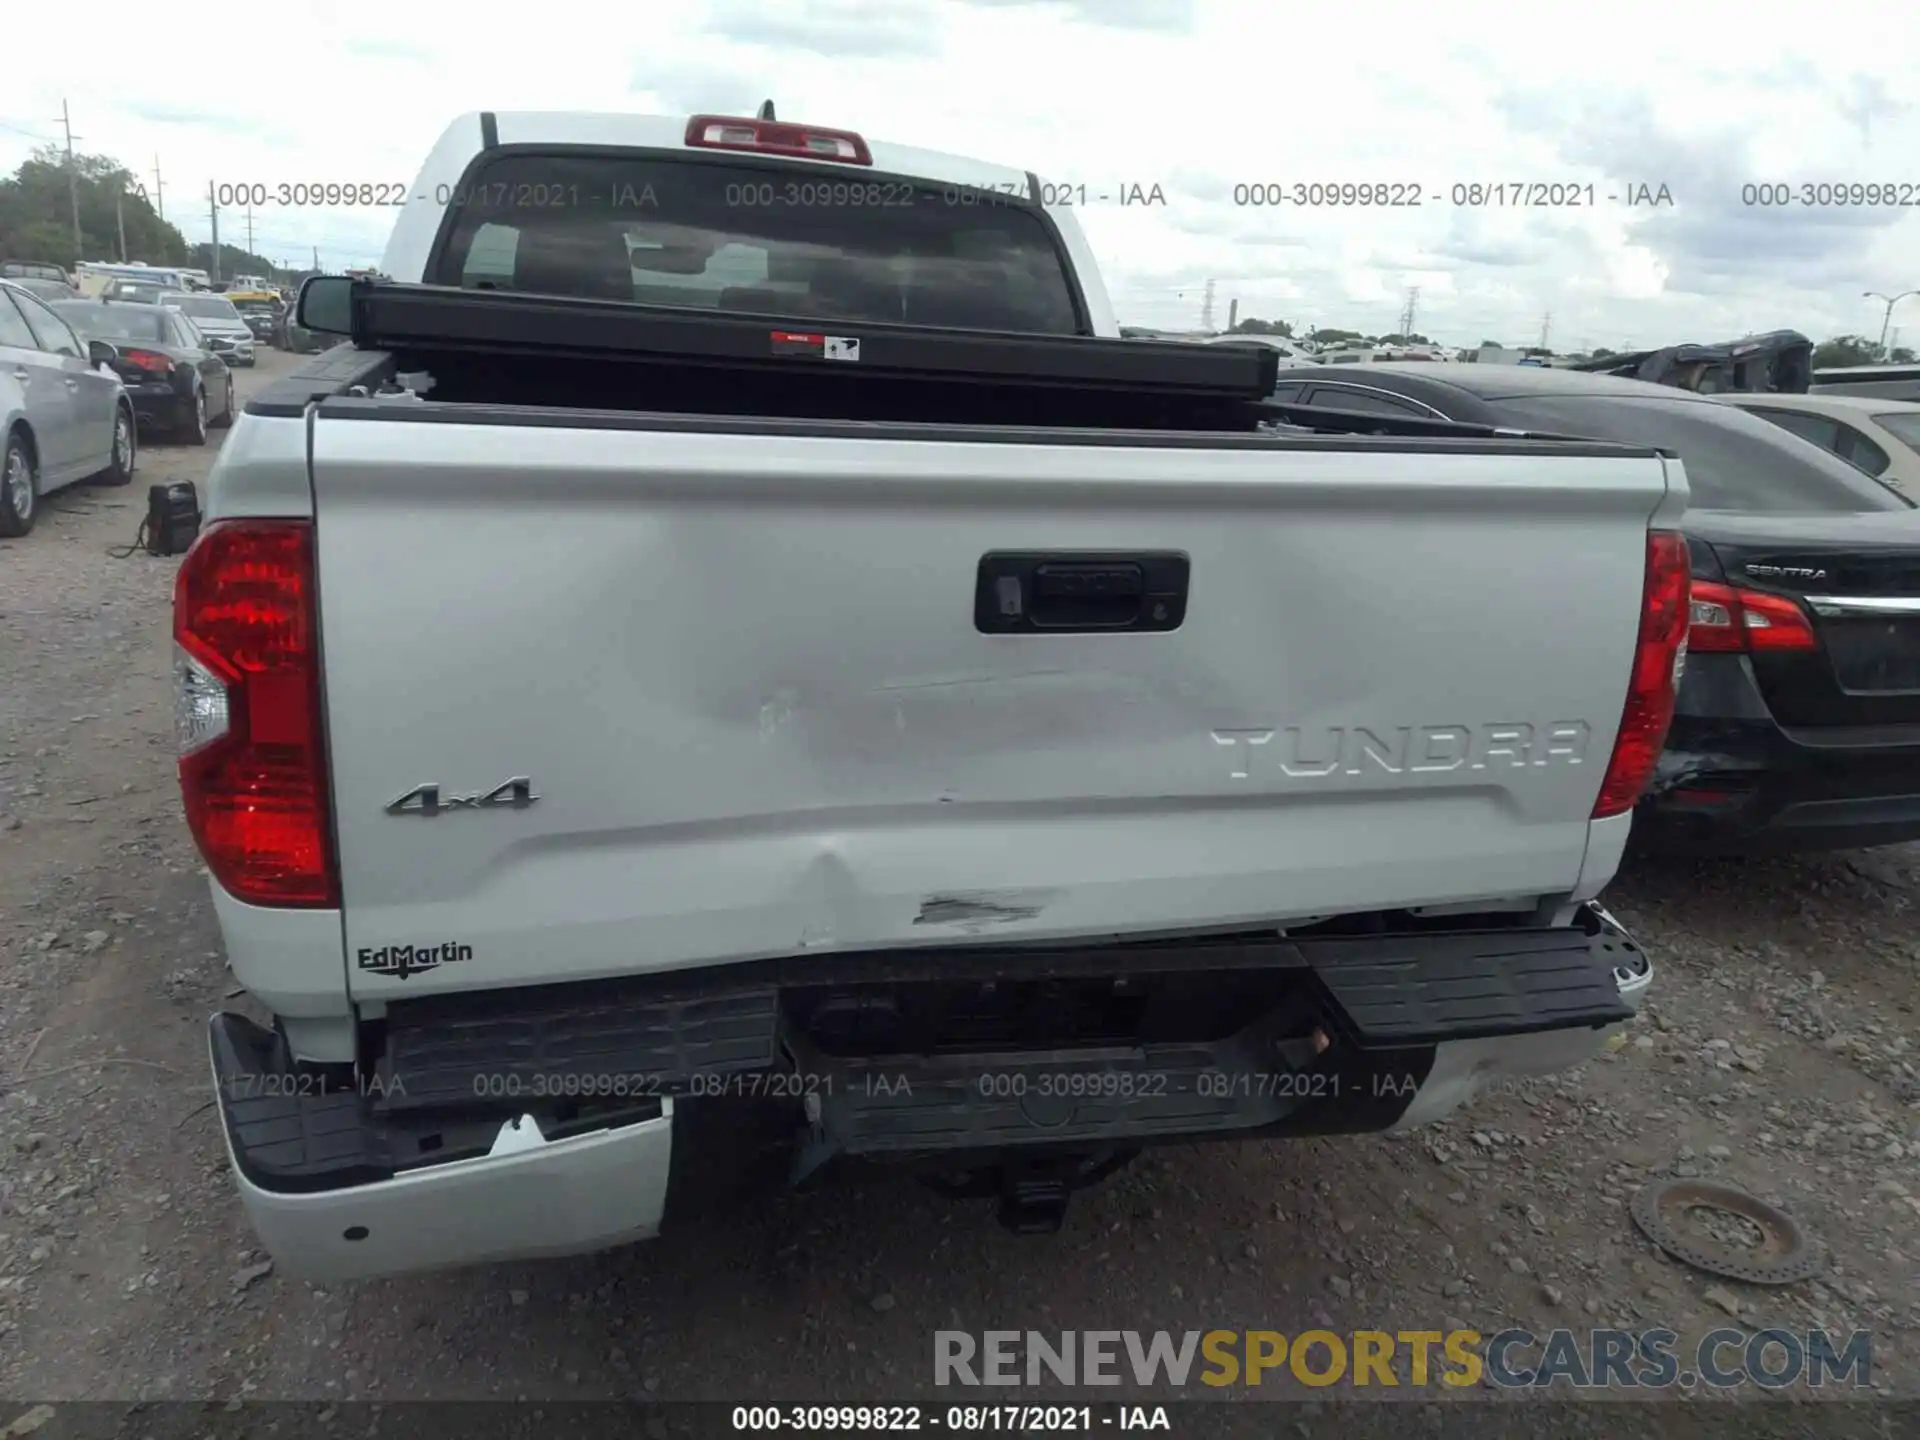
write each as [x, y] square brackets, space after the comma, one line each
[454, 1150]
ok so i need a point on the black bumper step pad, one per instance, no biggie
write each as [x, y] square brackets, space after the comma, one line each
[1427, 989]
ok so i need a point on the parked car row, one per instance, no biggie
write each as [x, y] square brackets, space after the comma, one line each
[1798, 718]
[235, 322]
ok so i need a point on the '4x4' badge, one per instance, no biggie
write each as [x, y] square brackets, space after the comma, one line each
[515, 794]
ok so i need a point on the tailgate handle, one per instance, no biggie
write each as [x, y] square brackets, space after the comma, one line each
[1029, 591]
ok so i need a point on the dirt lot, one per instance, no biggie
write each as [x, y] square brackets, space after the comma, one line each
[1777, 1051]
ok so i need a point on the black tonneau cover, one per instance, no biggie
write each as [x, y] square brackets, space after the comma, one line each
[389, 315]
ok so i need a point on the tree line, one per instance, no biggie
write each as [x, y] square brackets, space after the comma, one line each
[117, 219]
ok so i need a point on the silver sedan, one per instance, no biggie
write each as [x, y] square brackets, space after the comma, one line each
[64, 416]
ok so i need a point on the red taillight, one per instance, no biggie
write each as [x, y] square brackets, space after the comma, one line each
[776, 137]
[147, 360]
[247, 669]
[1729, 620]
[1655, 679]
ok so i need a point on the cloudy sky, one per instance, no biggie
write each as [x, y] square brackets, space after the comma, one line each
[1197, 97]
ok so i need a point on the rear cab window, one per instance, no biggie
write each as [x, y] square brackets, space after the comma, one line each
[715, 233]
[116, 323]
[1734, 461]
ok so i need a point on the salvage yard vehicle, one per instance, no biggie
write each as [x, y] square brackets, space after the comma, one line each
[1780, 361]
[296, 338]
[64, 415]
[889, 717]
[1881, 437]
[18, 270]
[134, 292]
[1798, 721]
[175, 382]
[261, 310]
[94, 278]
[219, 322]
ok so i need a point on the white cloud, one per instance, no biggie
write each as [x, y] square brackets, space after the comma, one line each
[1196, 96]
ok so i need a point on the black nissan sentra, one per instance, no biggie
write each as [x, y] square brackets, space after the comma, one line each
[1798, 721]
[176, 383]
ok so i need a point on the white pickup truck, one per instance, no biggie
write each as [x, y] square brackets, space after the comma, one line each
[739, 670]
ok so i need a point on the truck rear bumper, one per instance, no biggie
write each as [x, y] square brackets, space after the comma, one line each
[559, 1197]
[489, 1128]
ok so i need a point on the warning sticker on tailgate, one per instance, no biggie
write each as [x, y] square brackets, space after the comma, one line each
[821, 347]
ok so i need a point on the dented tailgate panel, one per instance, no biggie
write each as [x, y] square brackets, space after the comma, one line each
[613, 700]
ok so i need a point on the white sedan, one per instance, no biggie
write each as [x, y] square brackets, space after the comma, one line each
[1881, 437]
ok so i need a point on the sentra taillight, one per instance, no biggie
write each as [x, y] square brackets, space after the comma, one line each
[1658, 658]
[1730, 620]
[247, 707]
[777, 137]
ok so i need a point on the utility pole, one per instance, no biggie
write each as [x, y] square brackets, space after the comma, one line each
[1546, 328]
[73, 186]
[159, 190]
[120, 222]
[213, 213]
[1206, 309]
[1233, 313]
[1406, 315]
[316, 259]
[1887, 319]
[250, 227]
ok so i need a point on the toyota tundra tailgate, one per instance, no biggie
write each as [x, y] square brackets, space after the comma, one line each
[605, 698]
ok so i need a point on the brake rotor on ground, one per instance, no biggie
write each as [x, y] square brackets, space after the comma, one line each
[1784, 1255]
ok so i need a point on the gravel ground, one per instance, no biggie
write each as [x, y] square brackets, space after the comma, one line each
[1777, 1051]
